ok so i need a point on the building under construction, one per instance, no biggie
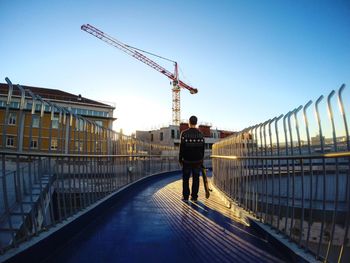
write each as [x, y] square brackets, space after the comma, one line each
[170, 135]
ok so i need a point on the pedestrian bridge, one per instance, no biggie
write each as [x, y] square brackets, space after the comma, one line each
[280, 190]
[148, 222]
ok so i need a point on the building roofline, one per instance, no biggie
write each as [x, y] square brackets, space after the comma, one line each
[55, 95]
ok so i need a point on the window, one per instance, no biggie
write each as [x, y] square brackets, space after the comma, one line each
[161, 136]
[97, 145]
[177, 134]
[55, 123]
[14, 105]
[151, 137]
[99, 123]
[10, 141]
[12, 118]
[38, 106]
[79, 125]
[79, 146]
[172, 134]
[35, 121]
[29, 106]
[34, 144]
[54, 144]
[131, 147]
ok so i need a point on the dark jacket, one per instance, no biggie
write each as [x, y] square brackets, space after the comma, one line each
[191, 147]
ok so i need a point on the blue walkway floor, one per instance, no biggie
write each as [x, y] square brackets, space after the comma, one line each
[152, 224]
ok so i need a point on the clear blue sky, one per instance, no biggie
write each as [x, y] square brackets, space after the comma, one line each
[250, 60]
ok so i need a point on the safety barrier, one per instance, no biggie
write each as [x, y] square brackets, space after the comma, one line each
[55, 163]
[292, 173]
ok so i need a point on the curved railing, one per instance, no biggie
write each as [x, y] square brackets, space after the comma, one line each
[46, 189]
[55, 163]
[292, 173]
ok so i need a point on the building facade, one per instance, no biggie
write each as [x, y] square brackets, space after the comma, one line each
[170, 135]
[51, 120]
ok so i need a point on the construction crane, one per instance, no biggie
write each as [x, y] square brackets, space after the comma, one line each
[132, 51]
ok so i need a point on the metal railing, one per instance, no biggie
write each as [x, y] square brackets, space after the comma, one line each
[292, 173]
[55, 164]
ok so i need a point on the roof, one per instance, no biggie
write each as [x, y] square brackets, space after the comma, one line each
[53, 94]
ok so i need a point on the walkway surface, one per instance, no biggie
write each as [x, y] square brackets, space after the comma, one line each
[152, 224]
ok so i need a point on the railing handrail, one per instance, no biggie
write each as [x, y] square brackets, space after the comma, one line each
[58, 155]
[297, 184]
[282, 157]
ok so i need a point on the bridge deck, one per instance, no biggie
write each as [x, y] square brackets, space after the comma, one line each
[152, 224]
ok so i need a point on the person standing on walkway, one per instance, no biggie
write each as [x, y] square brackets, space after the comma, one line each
[191, 156]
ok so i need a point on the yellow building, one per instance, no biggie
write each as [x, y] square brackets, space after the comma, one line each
[51, 120]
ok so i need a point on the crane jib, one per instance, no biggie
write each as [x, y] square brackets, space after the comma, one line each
[137, 55]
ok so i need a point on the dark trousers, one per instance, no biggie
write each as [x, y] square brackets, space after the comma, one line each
[187, 170]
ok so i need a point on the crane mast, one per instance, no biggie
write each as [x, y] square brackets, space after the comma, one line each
[176, 82]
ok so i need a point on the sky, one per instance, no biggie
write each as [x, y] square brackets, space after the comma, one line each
[249, 60]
